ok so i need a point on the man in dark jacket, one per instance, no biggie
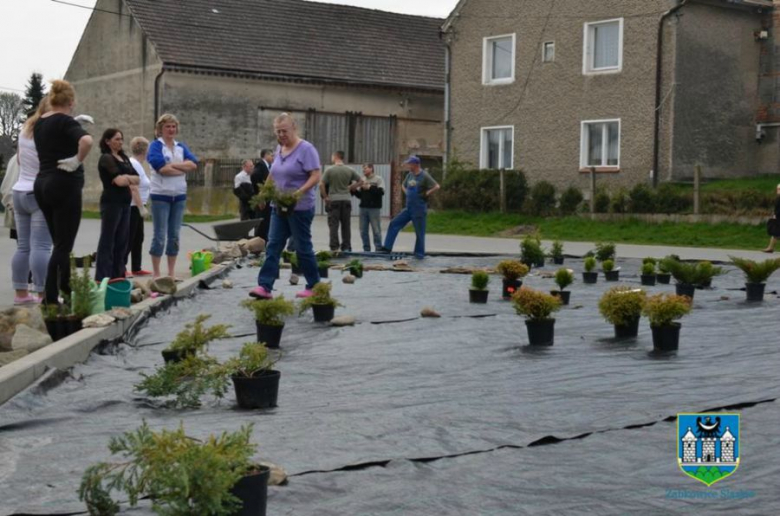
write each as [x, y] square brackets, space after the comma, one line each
[258, 177]
[370, 193]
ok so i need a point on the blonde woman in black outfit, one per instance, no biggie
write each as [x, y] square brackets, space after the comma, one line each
[776, 216]
[117, 175]
[62, 146]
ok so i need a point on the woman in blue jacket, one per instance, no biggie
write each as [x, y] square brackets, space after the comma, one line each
[170, 161]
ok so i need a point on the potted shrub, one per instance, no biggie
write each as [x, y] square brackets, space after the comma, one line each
[648, 273]
[537, 307]
[605, 251]
[685, 274]
[323, 262]
[590, 276]
[194, 338]
[663, 310]
[622, 307]
[181, 474]
[254, 379]
[322, 304]
[291, 257]
[705, 271]
[664, 276]
[284, 201]
[512, 271]
[269, 318]
[610, 273]
[355, 267]
[563, 278]
[66, 318]
[185, 382]
[531, 252]
[756, 274]
[478, 293]
[556, 252]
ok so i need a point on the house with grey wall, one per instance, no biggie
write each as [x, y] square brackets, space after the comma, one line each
[637, 90]
[367, 82]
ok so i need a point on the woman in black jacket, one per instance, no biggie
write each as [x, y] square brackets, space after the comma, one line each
[776, 217]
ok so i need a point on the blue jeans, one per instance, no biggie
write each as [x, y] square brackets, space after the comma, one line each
[33, 243]
[400, 221]
[166, 219]
[297, 225]
[372, 217]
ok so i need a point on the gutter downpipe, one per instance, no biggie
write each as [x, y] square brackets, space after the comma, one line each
[447, 107]
[157, 95]
[658, 81]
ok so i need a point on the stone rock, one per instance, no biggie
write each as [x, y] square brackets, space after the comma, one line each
[349, 279]
[547, 275]
[10, 318]
[29, 339]
[294, 279]
[98, 321]
[402, 267]
[256, 245]
[231, 251]
[724, 298]
[120, 313]
[343, 320]
[143, 286]
[136, 296]
[227, 283]
[218, 258]
[376, 267]
[164, 285]
[429, 312]
[278, 474]
[6, 357]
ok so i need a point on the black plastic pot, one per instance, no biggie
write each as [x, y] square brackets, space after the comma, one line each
[706, 284]
[53, 326]
[541, 333]
[663, 278]
[612, 275]
[257, 392]
[323, 313]
[590, 278]
[285, 211]
[627, 331]
[324, 271]
[540, 262]
[648, 280]
[666, 338]
[684, 289]
[270, 335]
[252, 490]
[62, 327]
[564, 295]
[755, 291]
[509, 287]
[478, 296]
[174, 355]
[296, 269]
[558, 260]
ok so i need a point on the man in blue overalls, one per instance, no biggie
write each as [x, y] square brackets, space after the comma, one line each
[418, 187]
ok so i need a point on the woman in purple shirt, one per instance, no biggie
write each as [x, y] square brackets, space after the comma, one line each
[297, 168]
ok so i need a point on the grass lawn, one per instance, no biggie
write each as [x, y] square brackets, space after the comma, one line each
[187, 218]
[575, 229]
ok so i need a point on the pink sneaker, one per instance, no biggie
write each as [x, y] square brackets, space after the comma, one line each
[29, 299]
[260, 293]
[303, 294]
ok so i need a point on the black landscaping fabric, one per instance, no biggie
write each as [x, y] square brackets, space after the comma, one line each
[456, 415]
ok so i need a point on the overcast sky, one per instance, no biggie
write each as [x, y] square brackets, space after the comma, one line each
[41, 35]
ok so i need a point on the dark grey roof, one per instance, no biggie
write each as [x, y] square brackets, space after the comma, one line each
[296, 38]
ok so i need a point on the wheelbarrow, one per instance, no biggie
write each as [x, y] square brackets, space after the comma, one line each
[229, 231]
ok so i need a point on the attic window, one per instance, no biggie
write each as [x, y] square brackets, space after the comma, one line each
[498, 60]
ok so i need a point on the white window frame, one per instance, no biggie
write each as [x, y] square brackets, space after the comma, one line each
[585, 144]
[588, 55]
[487, 60]
[483, 147]
[544, 51]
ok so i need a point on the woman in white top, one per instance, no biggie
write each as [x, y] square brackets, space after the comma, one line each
[33, 244]
[138, 147]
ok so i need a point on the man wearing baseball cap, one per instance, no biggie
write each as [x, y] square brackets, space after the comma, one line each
[418, 186]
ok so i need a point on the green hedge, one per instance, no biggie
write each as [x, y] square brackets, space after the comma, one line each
[480, 190]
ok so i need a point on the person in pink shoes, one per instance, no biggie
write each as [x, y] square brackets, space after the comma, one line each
[296, 168]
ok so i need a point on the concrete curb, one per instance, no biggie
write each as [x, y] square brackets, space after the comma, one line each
[74, 349]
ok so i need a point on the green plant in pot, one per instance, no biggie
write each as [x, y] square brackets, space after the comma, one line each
[182, 475]
[563, 278]
[605, 251]
[705, 271]
[66, 318]
[255, 381]
[622, 307]
[284, 201]
[648, 274]
[665, 265]
[512, 271]
[610, 273]
[323, 262]
[590, 276]
[478, 293]
[531, 252]
[355, 267]
[664, 310]
[756, 275]
[184, 383]
[291, 257]
[322, 304]
[537, 307]
[685, 274]
[269, 318]
[194, 338]
[556, 252]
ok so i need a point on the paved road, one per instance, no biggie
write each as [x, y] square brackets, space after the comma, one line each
[90, 231]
